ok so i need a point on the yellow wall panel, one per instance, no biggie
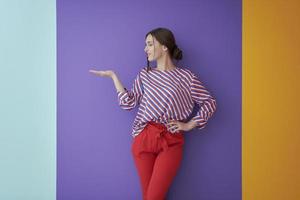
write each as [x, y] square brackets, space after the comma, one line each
[271, 98]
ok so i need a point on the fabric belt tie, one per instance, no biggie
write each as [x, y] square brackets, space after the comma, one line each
[163, 141]
[160, 136]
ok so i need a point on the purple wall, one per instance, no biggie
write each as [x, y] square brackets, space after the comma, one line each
[94, 140]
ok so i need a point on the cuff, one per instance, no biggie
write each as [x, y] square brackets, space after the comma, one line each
[122, 95]
[201, 123]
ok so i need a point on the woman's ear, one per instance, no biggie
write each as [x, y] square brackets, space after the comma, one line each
[164, 48]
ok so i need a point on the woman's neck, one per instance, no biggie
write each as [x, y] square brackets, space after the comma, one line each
[165, 63]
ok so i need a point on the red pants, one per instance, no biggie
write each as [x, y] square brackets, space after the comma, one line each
[157, 155]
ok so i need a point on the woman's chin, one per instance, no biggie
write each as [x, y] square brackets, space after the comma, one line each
[150, 59]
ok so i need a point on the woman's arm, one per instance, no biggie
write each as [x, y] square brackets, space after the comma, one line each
[207, 103]
[111, 74]
[128, 99]
[118, 85]
[205, 100]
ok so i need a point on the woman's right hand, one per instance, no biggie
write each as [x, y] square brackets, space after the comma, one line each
[112, 75]
[107, 73]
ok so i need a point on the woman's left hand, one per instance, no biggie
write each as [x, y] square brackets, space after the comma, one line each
[176, 126]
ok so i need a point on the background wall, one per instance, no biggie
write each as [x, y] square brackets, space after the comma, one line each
[94, 140]
[94, 134]
[27, 100]
[271, 71]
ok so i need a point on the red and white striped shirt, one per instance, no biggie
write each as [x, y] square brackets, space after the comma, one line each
[167, 95]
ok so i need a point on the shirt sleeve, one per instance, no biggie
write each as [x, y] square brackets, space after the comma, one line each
[206, 102]
[131, 98]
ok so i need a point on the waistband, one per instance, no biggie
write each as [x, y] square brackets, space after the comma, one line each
[160, 133]
[158, 125]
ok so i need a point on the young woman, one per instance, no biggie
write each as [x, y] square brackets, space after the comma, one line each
[166, 95]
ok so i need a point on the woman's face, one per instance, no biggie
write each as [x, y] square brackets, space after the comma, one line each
[153, 48]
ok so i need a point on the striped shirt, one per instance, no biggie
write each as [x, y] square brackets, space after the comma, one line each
[167, 95]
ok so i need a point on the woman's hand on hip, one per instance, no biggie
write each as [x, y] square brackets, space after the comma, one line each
[175, 126]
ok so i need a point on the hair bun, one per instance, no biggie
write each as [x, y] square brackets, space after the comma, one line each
[177, 53]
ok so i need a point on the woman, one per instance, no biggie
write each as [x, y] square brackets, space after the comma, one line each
[166, 96]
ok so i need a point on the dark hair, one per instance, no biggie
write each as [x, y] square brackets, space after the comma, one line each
[165, 37]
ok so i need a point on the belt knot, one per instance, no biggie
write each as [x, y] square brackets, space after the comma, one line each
[161, 136]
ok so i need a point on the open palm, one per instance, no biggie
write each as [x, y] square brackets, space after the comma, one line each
[107, 73]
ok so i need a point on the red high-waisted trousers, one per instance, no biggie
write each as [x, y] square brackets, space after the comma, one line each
[157, 155]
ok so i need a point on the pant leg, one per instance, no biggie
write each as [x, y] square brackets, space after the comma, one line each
[156, 165]
[144, 158]
[165, 168]
[144, 168]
